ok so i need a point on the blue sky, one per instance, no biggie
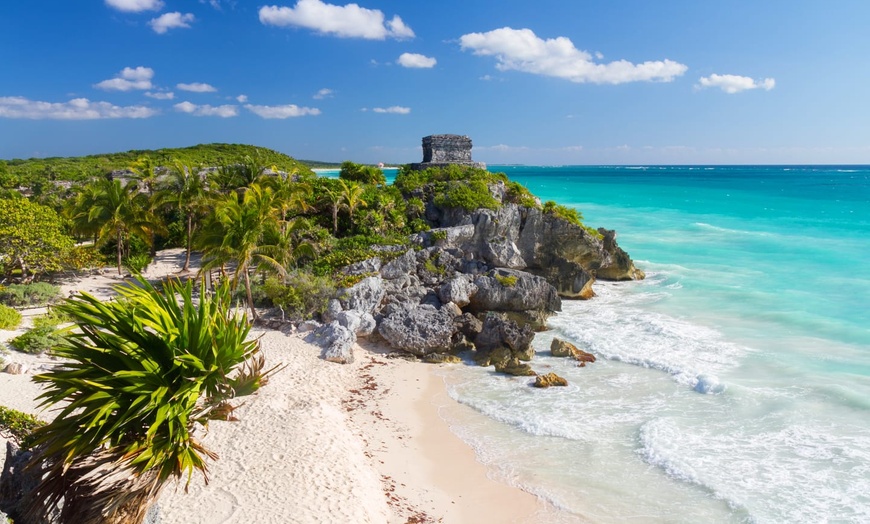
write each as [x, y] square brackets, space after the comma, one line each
[544, 82]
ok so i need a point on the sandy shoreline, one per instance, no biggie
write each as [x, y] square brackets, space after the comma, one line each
[324, 442]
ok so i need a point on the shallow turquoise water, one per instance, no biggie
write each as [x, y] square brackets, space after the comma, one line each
[733, 384]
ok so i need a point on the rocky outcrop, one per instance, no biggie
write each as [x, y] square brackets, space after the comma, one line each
[569, 256]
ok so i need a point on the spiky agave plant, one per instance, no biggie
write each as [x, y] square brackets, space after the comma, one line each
[143, 370]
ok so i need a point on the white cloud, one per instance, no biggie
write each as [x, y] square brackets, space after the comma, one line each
[75, 109]
[323, 93]
[522, 50]
[129, 79]
[135, 6]
[349, 21]
[415, 60]
[397, 110]
[242, 99]
[161, 95]
[734, 84]
[167, 21]
[214, 3]
[197, 87]
[285, 111]
[224, 111]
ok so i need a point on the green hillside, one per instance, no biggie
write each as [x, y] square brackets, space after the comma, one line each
[26, 172]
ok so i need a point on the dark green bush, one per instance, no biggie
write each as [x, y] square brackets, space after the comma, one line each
[9, 318]
[29, 295]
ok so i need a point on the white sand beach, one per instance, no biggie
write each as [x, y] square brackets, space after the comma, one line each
[322, 442]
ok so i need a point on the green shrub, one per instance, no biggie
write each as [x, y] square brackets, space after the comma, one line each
[38, 340]
[506, 280]
[362, 173]
[301, 295]
[468, 195]
[84, 257]
[565, 213]
[53, 318]
[29, 295]
[18, 426]
[519, 194]
[9, 318]
[137, 263]
[441, 234]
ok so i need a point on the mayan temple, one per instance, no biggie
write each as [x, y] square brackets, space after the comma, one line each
[444, 150]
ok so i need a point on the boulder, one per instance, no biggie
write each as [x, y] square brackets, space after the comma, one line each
[308, 325]
[349, 319]
[336, 340]
[497, 332]
[420, 331]
[400, 266]
[516, 368]
[550, 379]
[333, 308]
[458, 290]
[367, 325]
[561, 348]
[14, 368]
[366, 295]
[468, 325]
[453, 309]
[441, 358]
[366, 267]
[512, 290]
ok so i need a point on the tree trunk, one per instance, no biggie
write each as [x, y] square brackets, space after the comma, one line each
[120, 246]
[254, 317]
[189, 240]
[335, 220]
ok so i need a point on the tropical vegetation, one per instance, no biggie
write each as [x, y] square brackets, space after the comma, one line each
[141, 372]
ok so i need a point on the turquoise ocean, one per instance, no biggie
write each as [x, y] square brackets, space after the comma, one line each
[732, 384]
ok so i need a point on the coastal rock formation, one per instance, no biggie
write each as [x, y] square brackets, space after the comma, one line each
[568, 256]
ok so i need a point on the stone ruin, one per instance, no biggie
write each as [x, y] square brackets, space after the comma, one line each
[444, 150]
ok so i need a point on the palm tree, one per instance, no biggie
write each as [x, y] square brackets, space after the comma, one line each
[145, 173]
[236, 234]
[290, 196]
[351, 194]
[139, 373]
[186, 191]
[115, 212]
[334, 199]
